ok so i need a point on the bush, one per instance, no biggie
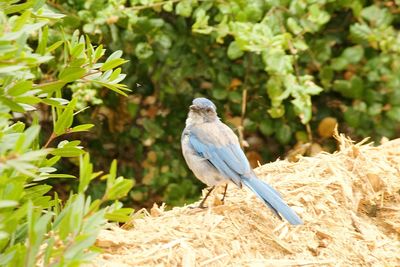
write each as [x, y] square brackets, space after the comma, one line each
[38, 62]
[273, 55]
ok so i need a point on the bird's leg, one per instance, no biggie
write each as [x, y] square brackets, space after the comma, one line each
[223, 196]
[201, 205]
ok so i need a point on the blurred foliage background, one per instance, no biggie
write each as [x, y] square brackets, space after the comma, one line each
[281, 73]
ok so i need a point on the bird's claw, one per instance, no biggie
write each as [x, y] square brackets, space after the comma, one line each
[198, 207]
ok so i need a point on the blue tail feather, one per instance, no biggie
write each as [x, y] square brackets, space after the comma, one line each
[272, 199]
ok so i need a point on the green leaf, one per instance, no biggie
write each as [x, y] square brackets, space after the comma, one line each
[357, 87]
[82, 242]
[18, 7]
[294, 26]
[277, 112]
[45, 176]
[375, 109]
[376, 15]
[353, 54]
[394, 113]
[311, 88]
[360, 32]
[343, 86]
[54, 46]
[20, 88]
[64, 121]
[143, 50]
[275, 89]
[22, 20]
[77, 51]
[115, 55]
[119, 215]
[36, 191]
[339, 63]
[168, 6]
[119, 188]
[47, 169]
[317, 15]
[51, 86]
[10, 69]
[8, 204]
[67, 152]
[32, 134]
[350, 89]
[37, 227]
[56, 102]
[326, 75]
[98, 53]
[71, 74]
[12, 105]
[27, 29]
[220, 93]
[234, 51]
[7, 257]
[267, 127]
[116, 88]
[49, 14]
[27, 100]
[284, 134]
[51, 161]
[115, 74]
[302, 107]
[85, 172]
[41, 49]
[300, 44]
[184, 8]
[352, 117]
[112, 174]
[110, 64]
[277, 61]
[66, 143]
[81, 128]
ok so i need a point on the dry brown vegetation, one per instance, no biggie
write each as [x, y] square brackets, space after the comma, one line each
[348, 200]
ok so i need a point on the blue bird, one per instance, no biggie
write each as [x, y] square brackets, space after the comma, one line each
[212, 152]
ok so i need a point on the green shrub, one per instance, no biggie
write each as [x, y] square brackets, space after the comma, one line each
[344, 54]
[38, 62]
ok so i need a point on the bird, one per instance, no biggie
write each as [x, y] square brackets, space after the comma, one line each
[212, 151]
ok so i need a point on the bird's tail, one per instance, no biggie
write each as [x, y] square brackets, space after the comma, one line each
[272, 199]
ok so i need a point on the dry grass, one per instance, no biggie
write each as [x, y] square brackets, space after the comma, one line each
[348, 200]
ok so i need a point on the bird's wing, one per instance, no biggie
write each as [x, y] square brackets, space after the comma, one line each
[217, 143]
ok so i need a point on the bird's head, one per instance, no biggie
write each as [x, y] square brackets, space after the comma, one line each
[203, 109]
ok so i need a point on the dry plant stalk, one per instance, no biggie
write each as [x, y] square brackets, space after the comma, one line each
[349, 201]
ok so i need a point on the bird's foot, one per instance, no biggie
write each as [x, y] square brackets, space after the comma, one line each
[224, 195]
[197, 207]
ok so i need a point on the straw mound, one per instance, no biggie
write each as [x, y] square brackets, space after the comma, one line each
[348, 200]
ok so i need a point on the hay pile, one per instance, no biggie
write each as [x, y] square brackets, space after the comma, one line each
[349, 202]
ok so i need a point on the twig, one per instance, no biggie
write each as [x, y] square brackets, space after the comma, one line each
[51, 138]
[244, 102]
[241, 126]
[309, 132]
[61, 9]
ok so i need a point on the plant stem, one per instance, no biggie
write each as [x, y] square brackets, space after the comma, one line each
[244, 101]
[51, 138]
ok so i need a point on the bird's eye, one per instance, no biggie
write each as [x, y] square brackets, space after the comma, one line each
[208, 109]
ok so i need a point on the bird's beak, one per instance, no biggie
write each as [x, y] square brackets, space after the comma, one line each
[194, 107]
